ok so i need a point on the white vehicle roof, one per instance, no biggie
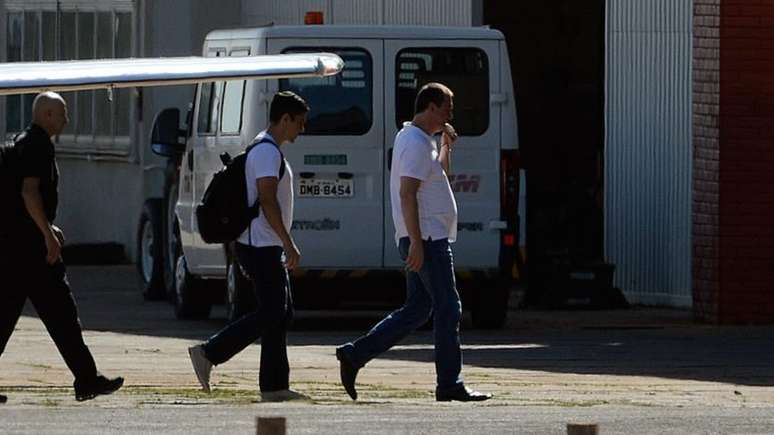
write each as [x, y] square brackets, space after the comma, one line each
[357, 32]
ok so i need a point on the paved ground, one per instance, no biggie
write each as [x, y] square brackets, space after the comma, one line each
[630, 371]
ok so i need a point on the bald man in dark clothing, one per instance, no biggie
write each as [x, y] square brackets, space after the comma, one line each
[31, 265]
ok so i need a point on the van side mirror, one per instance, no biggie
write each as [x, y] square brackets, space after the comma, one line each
[165, 136]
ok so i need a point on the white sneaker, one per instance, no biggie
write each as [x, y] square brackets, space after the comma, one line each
[283, 396]
[201, 365]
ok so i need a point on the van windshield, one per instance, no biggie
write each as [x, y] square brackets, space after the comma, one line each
[340, 104]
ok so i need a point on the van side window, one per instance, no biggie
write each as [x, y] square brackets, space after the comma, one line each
[464, 70]
[209, 98]
[231, 118]
[341, 104]
[204, 124]
[233, 96]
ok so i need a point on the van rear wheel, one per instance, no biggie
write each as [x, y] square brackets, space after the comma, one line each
[490, 304]
[239, 289]
[191, 298]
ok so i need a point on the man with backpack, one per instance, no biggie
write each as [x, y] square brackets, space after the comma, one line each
[260, 250]
[30, 248]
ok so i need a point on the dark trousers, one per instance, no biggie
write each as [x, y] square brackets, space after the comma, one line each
[269, 322]
[26, 275]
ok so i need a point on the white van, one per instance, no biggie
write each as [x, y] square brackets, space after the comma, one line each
[343, 218]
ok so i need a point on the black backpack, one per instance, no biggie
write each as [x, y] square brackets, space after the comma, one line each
[223, 213]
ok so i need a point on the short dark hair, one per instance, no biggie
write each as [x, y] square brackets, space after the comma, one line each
[434, 93]
[286, 102]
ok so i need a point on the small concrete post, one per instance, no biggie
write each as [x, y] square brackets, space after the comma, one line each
[582, 429]
[271, 426]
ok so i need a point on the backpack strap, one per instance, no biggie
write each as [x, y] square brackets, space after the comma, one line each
[282, 156]
[254, 209]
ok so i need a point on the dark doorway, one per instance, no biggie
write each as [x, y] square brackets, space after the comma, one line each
[556, 51]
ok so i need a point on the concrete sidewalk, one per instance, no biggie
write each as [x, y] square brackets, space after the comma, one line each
[638, 370]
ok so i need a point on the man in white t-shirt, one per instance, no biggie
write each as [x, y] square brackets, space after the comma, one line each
[260, 250]
[425, 216]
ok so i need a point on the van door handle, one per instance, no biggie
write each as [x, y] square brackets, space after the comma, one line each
[346, 175]
[190, 160]
[389, 159]
[306, 174]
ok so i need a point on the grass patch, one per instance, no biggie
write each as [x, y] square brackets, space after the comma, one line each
[38, 366]
[333, 393]
[232, 396]
[482, 376]
[557, 403]
[37, 390]
[50, 403]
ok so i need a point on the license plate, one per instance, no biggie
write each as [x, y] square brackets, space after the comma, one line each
[320, 188]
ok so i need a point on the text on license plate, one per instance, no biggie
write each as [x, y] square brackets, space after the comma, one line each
[319, 188]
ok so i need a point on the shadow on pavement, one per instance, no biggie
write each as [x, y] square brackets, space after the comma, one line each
[636, 342]
[742, 355]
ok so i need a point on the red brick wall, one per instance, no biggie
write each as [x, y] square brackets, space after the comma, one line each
[734, 161]
[706, 159]
[747, 163]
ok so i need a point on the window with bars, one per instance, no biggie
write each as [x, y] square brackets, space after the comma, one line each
[340, 104]
[464, 70]
[96, 123]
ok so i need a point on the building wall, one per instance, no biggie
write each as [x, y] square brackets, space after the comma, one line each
[648, 149]
[746, 161]
[706, 158]
[104, 183]
[432, 12]
[734, 183]
[99, 165]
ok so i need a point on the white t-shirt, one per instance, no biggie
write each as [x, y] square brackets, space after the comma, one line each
[264, 161]
[415, 155]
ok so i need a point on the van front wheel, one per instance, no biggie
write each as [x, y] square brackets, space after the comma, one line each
[191, 301]
[150, 251]
[172, 245]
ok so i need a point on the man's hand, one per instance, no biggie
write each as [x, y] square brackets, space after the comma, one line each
[59, 234]
[416, 256]
[292, 255]
[53, 245]
[33, 202]
[448, 135]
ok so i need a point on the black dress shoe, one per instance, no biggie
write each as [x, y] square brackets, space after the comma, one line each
[3, 398]
[463, 394]
[100, 385]
[348, 373]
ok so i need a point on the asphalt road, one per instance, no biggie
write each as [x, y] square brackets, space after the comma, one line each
[630, 371]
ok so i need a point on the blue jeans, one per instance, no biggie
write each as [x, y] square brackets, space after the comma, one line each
[269, 323]
[432, 291]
